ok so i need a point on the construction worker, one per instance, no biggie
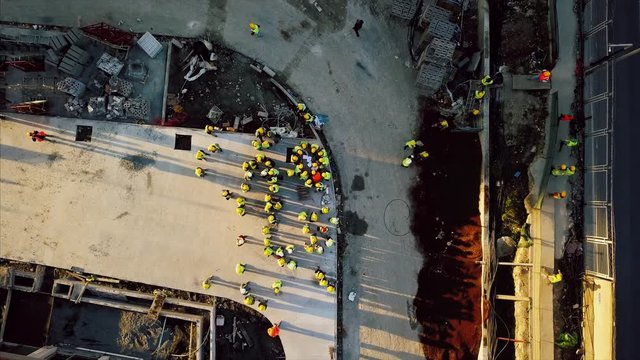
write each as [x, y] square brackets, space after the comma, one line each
[245, 166]
[289, 249]
[319, 274]
[245, 187]
[325, 210]
[264, 173]
[571, 170]
[240, 268]
[478, 94]
[277, 205]
[474, 112]
[214, 148]
[314, 217]
[406, 162]
[290, 172]
[274, 188]
[555, 278]
[307, 117]
[304, 175]
[558, 195]
[267, 240]
[486, 80]
[281, 261]
[323, 282]
[226, 194]
[272, 219]
[301, 107]
[262, 305]
[201, 155]
[276, 286]
[320, 153]
[313, 239]
[331, 289]
[267, 207]
[240, 210]
[329, 242]
[319, 249]
[208, 129]
[240, 240]
[260, 132]
[253, 165]
[308, 183]
[272, 180]
[268, 251]
[266, 144]
[323, 229]
[248, 175]
[304, 144]
[326, 175]
[292, 265]
[260, 157]
[266, 230]
[565, 117]
[268, 163]
[423, 155]
[279, 251]
[302, 216]
[306, 229]
[200, 172]
[244, 288]
[273, 331]
[410, 145]
[249, 300]
[545, 76]
[334, 220]
[36, 135]
[308, 248]
[256, 144]
[559, 171]
[267, 197]
[273, 172]
[571, 142]
[206, 284]
[241, 201]
[443, 124]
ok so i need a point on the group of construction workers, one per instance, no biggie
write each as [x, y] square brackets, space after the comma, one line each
[310, 166]
[416, 147]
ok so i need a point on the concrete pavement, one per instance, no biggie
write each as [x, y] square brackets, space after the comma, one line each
[551, 221]
[68, 203]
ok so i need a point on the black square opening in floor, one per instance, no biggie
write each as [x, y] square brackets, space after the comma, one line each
[183, 142]
[83, 133]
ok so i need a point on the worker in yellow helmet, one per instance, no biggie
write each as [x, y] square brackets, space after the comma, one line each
[240, 201]
[240, 210]
[326, 175]
[486, 80]
[267, 240]
[208, 129]
[304, 175]
[289, 249]
[262, 305]
[226, 194]
[334, 220]
[201, 155]
[267, 207]
[249, 300]
[308, 248]
[267, 197]
[245, 166]
[331, 289]
[319, 249]
[410, 145]
[319, 274]
[329, 242]
[325, 210]
[266, 144]
[200, 172]
[302, 216]
[206, 284]
[479, 94]
[256, 144]
[301, 107]
[276, 286]
[308, 183]
[268, 251]
[406, 162]
[268, 163]
[306, 229]
[277, 205]
[281, 262]
[272, 219]
[260, 157]
[313, 239]
[323, 282]
[314, 148]
[266, 230]
[245, 187]
[274, 188]
[304, 144]
[240, 268]
[260, 131]
[292, 265]
[314, 216]
[214, 148]
[272, 180]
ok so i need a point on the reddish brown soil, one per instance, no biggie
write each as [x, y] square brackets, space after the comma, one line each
[448, 230]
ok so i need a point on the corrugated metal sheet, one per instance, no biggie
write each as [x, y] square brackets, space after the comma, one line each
[149, 44]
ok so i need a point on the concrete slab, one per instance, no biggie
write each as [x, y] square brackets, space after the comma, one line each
[67, 203]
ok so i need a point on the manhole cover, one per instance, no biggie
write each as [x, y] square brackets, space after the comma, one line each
[396, 217]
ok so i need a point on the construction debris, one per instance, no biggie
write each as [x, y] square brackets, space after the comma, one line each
[204, 66]
[119, 86]
[150, 45]
[97, 106]
[74, 105]
[115, 108]
[215, 114]
[137, 108]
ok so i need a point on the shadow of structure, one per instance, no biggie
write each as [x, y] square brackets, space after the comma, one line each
[447, 227]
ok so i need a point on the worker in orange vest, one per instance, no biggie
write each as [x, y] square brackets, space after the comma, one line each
[558, 194]
[545, 76]
[274, 330]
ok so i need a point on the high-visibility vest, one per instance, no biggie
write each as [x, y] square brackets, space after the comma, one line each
[486, 80]
[314, 216]
[323, 282]
[240, 211]
[245, 166]
[240, 268]
[199, 171]
[331, 289]
[245, 187]
[334, 220]
[252, 164]
[249, 300]
[276, 284]
[260, 131]
[281, 262]
[319, 250]
[308, 183]
[290, 248]
[326, 175]
[324, 210]
[313, 239]
[265, 230]
[240, 201]
[292, 265]
[260, 158]
[306, 229]
[274, 188]
[200, 155]
[410, 144]
[478, 94]
[329, 242]
[266, 144]
[277, 205]
[271, 219]
[308, 248]
[314, 148]
[302, 215]
[406, 162]
[268, 251]
[256, 144]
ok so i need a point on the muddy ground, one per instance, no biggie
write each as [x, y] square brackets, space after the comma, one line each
[259, 345]
[447, 226]
[522, 27]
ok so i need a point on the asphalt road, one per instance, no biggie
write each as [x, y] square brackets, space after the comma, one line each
[626, 166]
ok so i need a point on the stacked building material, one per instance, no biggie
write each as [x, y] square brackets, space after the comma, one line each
[115, 108]
[120, 86]
[137, 108]
[404, 9]
[71, 86]
[97, 106]
[150, 45]
[109, 64]
[74, 105]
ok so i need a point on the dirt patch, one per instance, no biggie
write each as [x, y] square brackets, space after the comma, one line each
[354, 224]
[523, 29]
[136, 162]
[446, 223]
[251, 340]
[358, 183]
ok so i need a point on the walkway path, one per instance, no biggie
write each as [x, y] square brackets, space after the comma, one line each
[550, 223]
